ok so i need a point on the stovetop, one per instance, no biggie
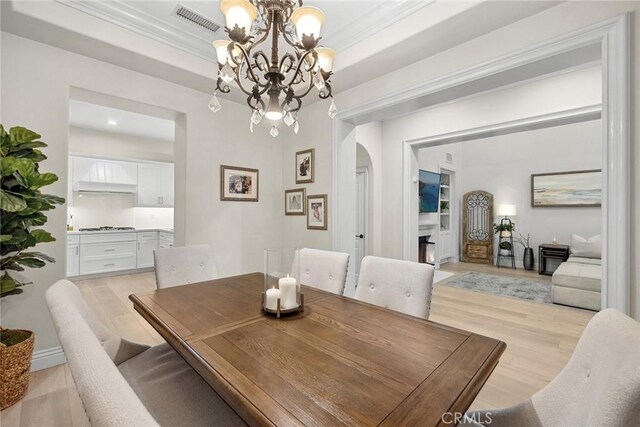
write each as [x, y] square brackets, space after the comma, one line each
[106, 228]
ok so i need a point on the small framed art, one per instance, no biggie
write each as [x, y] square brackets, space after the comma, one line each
[305, 166]
[317, 212]
[294, 202]
[238, 184]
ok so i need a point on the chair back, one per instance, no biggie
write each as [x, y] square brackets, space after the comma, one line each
[402, 286]
[91, 350]
[325, 270]
[600, 385]
[184, 265]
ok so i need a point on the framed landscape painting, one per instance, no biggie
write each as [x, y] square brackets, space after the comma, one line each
[238, 184]
[567, 189]
[317, 212]
[305, 167]
[294, 202]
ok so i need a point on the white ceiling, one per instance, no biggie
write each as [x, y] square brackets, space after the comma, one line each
[97, 117]
[372, 37]
[347, 21]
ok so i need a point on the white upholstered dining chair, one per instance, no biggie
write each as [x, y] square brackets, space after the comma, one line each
[402, 286]
[324, 270]
[599, 386]
[184, 265]
[122, 383]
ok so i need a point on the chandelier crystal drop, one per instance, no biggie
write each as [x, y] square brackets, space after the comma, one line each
[290, 65]
[214, 104]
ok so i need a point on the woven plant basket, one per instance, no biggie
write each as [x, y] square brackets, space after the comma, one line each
[15, 370]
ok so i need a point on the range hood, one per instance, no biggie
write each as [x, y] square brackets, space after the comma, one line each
[104, 187]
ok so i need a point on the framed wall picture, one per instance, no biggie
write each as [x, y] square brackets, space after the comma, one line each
[238, 184]
[317, 212]
[567, 189]
[294, 202]
[305, 166]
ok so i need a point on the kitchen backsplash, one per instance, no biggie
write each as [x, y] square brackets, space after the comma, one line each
[97, 209]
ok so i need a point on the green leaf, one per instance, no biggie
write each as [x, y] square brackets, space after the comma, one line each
[42, 236]
[12, 265]
[21, 134]
[8, 285]
[26, 167]
[8, 165]
[11, 203]
[38, 255]
[30, 262]
[35, 181]
[32, 144]
[50, 198]
[5, 237]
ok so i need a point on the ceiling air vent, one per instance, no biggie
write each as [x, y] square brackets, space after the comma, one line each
[195, 18]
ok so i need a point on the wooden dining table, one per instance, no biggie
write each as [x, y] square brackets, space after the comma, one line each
[339, 362]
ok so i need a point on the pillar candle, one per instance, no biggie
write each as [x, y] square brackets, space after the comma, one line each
[288, 287]
[271, 299]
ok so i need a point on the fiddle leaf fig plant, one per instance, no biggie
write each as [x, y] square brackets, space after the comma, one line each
[22, 205]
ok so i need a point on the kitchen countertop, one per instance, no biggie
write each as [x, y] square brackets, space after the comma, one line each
[137, 230]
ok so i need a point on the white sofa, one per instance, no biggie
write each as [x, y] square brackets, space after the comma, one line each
[577, 282]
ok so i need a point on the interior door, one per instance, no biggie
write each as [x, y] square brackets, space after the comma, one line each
[361, 219]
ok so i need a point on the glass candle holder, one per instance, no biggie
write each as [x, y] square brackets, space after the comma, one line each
[281, 294]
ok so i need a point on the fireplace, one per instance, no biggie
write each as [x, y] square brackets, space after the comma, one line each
[426, 250]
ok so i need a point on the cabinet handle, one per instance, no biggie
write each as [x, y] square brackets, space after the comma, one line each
[159, 202]
[138, 245]
[77, 250]
[109, 265]
[162, 200]
[109, 250]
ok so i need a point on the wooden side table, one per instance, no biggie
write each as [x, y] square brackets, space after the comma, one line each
[550, 251]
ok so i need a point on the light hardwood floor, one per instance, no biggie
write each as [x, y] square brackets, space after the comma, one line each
[540, 339]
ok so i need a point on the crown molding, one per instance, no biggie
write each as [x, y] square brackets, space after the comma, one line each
[119, 13]
[375, 19]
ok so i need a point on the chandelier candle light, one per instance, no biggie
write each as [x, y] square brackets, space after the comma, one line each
[274, 84]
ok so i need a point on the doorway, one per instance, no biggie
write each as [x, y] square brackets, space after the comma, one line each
[362, 190]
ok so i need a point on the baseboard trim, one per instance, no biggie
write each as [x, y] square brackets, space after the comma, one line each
[47, 358]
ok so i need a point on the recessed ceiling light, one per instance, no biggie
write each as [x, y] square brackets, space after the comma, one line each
[112, 122]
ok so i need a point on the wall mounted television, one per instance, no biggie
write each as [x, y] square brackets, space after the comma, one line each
[429, 191]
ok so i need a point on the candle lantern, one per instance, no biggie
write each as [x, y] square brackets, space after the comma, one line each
[281, 293]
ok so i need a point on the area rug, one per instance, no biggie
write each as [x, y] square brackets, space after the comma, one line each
[504, 285]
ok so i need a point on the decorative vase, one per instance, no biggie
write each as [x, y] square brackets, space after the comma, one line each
[527, 259]
[15, 367]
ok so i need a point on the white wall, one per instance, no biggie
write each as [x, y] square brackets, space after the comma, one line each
[295, 233]
[36, 82]
[119, 146]
[503, 165]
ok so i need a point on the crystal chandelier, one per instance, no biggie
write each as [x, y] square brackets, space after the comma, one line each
[274, 84]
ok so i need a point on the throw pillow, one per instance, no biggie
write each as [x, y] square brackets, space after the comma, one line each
[587, 248]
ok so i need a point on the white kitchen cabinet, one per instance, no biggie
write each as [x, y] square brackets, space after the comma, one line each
[89, 170]
[103, 253]
[155, 185]
[73, 255]
[165, 240]
[73, 260]
[147, 243]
